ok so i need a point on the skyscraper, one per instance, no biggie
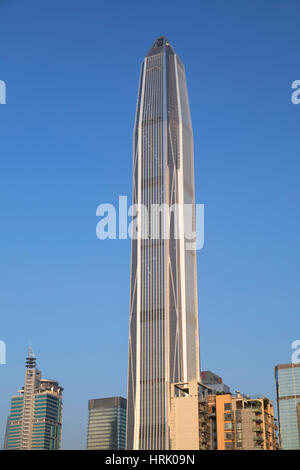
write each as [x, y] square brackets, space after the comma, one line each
[6, 434]
[107, 424]
[287, 378]
[36, 412]
[163, 324]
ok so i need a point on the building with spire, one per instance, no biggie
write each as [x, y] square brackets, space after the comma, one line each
[35, 418]
[163, 323]
[107, 424]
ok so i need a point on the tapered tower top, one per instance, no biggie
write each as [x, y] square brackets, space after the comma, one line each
[30, 359]
[158, 46]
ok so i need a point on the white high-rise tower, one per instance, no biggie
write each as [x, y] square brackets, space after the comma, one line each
[163, 329]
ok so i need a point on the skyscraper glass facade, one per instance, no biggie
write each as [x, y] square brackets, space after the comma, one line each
[163, 324]
[107, 424]
[46, 430]
[35, 418]
[15, 426]
[287, 378]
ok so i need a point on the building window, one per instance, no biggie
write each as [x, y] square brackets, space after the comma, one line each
[227, 406]
[229, 445]
[227, 416]
[227, 426]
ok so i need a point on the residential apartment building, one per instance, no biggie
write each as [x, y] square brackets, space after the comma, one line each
[192, 417]
[245, 423]
[203, 419]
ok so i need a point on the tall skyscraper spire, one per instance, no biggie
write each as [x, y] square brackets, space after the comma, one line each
[163, 324]
[36, 412]
[30, 359]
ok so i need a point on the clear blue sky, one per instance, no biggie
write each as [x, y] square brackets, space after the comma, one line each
[72, 69]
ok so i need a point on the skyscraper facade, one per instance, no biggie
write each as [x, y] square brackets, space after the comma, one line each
[287, 378]
[163, 324]
[193, 419]
[5, 444]
[107, 424]
[35, 418]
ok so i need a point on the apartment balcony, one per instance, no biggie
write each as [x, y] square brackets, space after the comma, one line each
[257, 419]
[202, 401]
[257, 429]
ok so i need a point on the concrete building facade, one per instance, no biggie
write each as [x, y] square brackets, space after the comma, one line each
[245, 423]
[192, 423]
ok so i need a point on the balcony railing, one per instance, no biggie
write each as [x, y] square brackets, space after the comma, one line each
[257, 429]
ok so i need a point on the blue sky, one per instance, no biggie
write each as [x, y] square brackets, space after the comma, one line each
[71, 70]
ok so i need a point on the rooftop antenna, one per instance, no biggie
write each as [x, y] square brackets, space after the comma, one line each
[30, 359]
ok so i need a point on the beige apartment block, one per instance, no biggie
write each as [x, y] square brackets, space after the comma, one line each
[192, 426]
[163, 341]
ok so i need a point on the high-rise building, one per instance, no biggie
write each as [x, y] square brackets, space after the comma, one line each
[6, 434]
[214, 381]
[245, 423]
[163, 324]
[107, 424]
[35, 418]
[287, 377]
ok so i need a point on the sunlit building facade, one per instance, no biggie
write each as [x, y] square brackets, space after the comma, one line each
[163, 325]
[35, 419]
[244, 423]
[107, 424]
[214, 381]
[193, 417]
